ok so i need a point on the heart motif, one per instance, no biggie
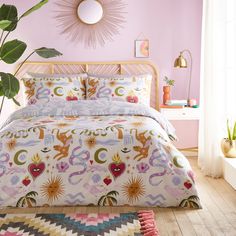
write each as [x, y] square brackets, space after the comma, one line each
[107, 181]
[26, 181]
[91, 162]
[71, 98]
[36, 169]
[132, 99]
[187, 185]
[117, 169]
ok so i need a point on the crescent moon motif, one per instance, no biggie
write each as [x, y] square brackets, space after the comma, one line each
[16, 157]
[118, 92]
[56, 91]
[176, 162]
[96, 155]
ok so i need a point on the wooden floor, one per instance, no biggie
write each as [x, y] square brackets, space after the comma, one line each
[218, 216]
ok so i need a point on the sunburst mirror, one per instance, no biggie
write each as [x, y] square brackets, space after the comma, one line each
[91, 22]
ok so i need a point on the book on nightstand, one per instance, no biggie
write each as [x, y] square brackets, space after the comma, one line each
[176, 102]
[171, 106]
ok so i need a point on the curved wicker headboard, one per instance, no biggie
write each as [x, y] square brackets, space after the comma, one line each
[102, 68]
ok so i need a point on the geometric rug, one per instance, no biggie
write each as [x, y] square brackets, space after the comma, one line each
[101, 224]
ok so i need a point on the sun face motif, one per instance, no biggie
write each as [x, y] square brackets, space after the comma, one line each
[11, 144]
[91, 142]
[133, 189]
[53, 188]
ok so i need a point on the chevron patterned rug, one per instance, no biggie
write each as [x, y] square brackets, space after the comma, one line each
[127, 224]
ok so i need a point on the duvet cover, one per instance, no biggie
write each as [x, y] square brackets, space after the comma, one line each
[92, 153]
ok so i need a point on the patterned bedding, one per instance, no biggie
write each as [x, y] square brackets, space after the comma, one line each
[92, 153]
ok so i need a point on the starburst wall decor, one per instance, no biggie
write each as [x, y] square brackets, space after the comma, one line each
[92, 22]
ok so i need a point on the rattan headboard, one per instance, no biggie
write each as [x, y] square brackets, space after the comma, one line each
[102, 68]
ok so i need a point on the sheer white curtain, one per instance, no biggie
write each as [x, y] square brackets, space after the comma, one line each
[218, 81]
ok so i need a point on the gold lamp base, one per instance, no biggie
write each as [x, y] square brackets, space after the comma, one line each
[181, 62]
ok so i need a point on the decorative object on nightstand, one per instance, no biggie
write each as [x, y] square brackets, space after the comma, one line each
[175, 102]
[181, 62]
[167, 88]
[228, 145]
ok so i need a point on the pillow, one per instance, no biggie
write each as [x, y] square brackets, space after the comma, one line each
[134, 89]
[42, 87]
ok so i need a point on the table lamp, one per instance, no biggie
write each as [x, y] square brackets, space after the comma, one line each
[181, 62]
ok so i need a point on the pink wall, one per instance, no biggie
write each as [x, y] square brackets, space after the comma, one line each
[170, 25]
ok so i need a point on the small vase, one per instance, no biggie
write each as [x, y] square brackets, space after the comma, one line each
[166, 94]
[228, 148]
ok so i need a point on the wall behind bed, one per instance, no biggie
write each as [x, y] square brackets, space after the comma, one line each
[170, 25]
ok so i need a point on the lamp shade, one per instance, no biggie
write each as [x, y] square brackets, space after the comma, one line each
[180, 62]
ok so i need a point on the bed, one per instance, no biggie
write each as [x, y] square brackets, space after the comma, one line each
[93, 152]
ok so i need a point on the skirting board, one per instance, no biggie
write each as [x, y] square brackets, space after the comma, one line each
[189, 152]
[230, 171]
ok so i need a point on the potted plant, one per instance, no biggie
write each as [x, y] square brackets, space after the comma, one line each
[11, 51]
[166, 89]
[228, 145]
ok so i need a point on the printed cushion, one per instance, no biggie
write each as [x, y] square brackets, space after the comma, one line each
[134, 89]
[43, 87]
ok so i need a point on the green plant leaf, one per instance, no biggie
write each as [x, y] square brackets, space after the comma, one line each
[1, 89]
[171, 82]
[11, 51]
[9, 12]
[168, 81]
[10, 84]
[234, 132]
[16, 102]
[47, 52]
[4, 24]
[34, 8]
[229, 132]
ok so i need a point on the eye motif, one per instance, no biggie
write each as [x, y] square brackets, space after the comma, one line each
[125, 150]
[36, 169]
[45, 150]
[76, 89]
[138, 89]
[117, 169]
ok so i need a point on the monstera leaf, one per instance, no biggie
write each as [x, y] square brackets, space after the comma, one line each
[47, 52]
[11, 51]
[9, 86]
[34, 8]
[9, 13]
[4, 24]
[1, 89]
